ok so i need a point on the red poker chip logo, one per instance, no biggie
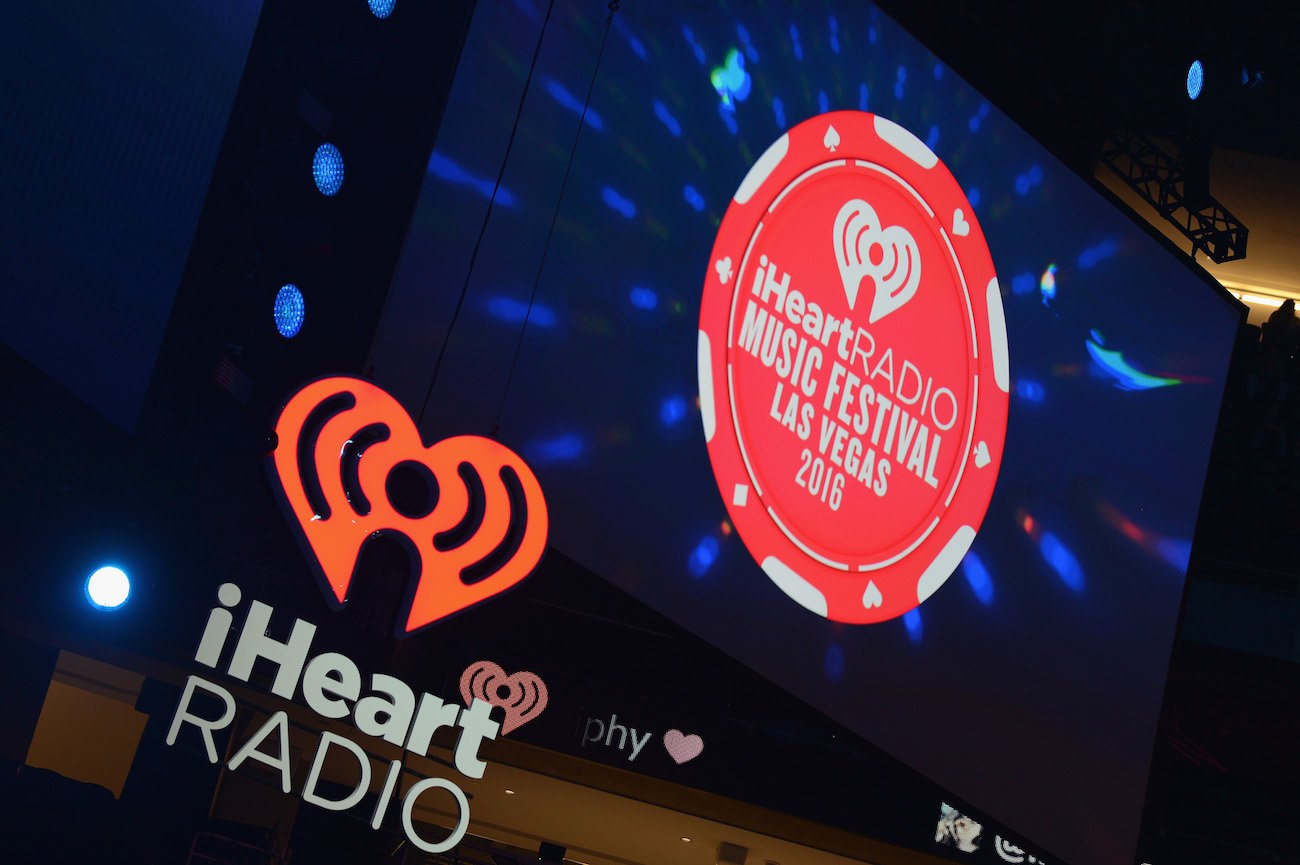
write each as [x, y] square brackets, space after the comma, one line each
[853, 367]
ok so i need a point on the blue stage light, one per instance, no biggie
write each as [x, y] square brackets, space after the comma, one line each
[327, 169]
[290, 309]
[382, 8]
[108, 588]
[1195, 79]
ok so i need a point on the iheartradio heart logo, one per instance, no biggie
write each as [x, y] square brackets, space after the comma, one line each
[483, 531]
[887, 254]
[522, 695]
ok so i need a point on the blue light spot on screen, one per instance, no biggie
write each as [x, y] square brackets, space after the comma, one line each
[730, 80]
[1061, 560]
[973, 196]
[978, 117]
[617, 202]
[693, 198]
[835, 35]
[822, 102]
[643, 298]
[556, 449]
[1047, 284]
[1028, 389]
[743, 35]
[795, 47]
[289, 311]
[1175, 551]
[912, 621]
[1023, 283]
[938, 71]
[899, 80]
[728, 113]
[515, 311]
[778, 112]
[932, 140]
[382, 8]
[862, 96]
[1126, 376]
[443, 167]
[667, 119]
[977, 576]
[1093, 255]
[632, 42]
[833, 663]
[672, 410]
[1097, 336]
[1028, 180]
[567, 100]
[695, 46]
[327, 169]
[703, 556]
[872, 35]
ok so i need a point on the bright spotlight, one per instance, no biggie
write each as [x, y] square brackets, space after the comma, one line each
[382, 8]
[327, 169]
[290, 310]
[1195, 79]
[108, 588]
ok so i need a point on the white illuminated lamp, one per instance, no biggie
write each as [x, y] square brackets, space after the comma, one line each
[108, 588]
[1195, 80]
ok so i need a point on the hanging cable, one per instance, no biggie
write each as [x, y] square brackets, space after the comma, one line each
[537, 280]
[487, 214]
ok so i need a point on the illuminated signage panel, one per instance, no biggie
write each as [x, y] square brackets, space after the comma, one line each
[1017, 654]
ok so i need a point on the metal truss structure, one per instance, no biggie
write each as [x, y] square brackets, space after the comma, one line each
[1160, 178]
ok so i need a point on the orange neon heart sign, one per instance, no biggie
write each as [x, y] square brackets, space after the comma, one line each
[340, 439]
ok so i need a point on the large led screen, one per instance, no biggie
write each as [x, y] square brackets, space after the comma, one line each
[553, 291]
[113, 115]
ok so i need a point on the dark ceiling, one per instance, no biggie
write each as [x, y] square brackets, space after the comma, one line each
[1069, 73]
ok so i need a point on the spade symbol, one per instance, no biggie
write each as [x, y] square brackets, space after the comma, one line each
[832, 139]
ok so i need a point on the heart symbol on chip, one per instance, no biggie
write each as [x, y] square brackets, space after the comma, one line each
[872, 597]
[682, 747]
[340, 439]
[887, 254]
[960, 226]
[982, 455]
[522, 695]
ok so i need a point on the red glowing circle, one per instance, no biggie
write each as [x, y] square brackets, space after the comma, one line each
[853, 367]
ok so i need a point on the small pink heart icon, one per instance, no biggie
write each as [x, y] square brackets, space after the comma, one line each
[681, 747]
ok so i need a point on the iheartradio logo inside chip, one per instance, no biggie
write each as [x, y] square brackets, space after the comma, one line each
[853, 367]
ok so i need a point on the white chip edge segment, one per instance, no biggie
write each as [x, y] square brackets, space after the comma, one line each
[802, 592]
[998, 337]
[706, 389]
[905, 143]
[945, 563]
[762, 169]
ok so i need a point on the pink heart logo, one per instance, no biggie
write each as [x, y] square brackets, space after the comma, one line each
[522, 695]
[681, 747]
